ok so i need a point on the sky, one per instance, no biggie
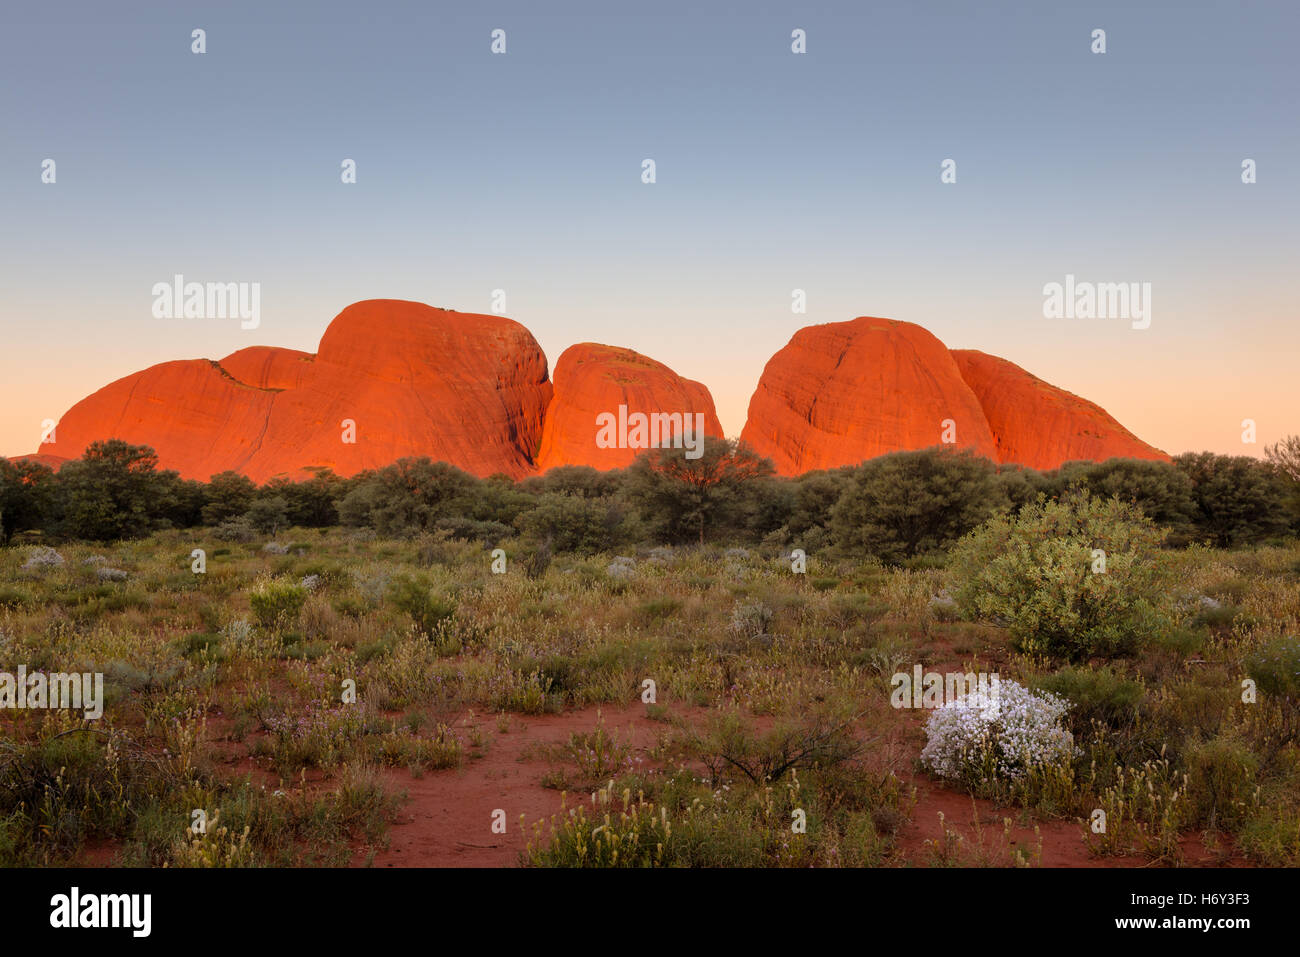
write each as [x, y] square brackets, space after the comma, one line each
[775, 171]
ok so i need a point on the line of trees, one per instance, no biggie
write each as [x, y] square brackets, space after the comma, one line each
[896, 507]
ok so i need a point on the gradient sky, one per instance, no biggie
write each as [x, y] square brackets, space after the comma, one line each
[775, 171]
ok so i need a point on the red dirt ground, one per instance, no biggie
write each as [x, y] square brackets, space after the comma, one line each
[447, 821]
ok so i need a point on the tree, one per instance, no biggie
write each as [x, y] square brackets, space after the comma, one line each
[1285, 456]
[1237, 499]
[409, 496]
[574, 480]
[573, 523]
[309, 504]
[815, 497]
[1160, 489]
[229, 495]
[681, 497]
[909, 503]
[113, 491]
[184, 500]
[1022, 485]
[26, 496]
[268, 514]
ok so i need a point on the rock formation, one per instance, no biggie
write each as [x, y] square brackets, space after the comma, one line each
[591, 380]
[403, 378]
[843, 392]
[1040, 426]
[394, 378]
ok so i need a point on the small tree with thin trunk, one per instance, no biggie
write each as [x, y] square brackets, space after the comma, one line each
[683, 498]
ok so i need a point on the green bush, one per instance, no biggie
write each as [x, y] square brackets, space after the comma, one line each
[1096, 694]
[407, 497]
[1161, 490]
[1036, 573]
[1221, 782]
[1276, 668]
[573, 523]
[277, 604]
[908, 503]
[415, 597]
[1236, 499]
[12, 596]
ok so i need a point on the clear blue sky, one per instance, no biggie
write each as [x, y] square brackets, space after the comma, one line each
[775, 171]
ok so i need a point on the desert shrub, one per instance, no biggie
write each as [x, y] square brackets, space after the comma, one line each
[238, 529]
[1095, 694]
[656, 610]
[537, 561]
[573, 523]
[751, 621]
[641, 833]
[821, 739]
[13, 596]
[42, 556]
[1220, 782]
[435, 548]
[1272, 836]
[1002, 733]
[473, 530]
[414, 596]
[1039, 573]
[217, 846]
[406, 749]
[75, 785]
[1275, 667]
[318, 736]
[407, 497]
[599, 754]
[277, 604]
[907, 503]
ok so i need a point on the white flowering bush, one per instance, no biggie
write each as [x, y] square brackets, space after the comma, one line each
[1002, 732]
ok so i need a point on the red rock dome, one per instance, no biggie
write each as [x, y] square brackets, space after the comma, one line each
[592, 379]
[413, 380]
[843, 392]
